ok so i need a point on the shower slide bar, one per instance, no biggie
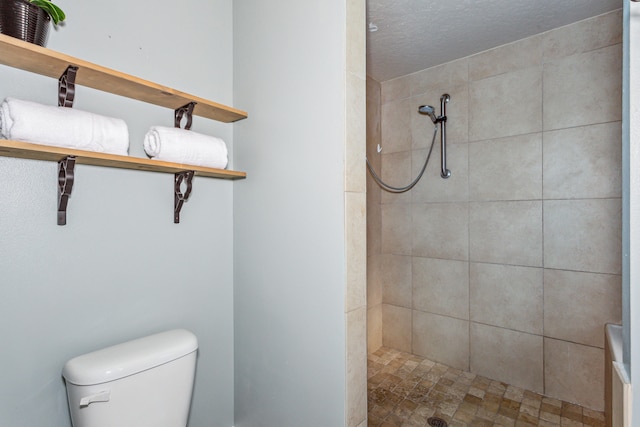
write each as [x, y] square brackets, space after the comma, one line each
[444, 172]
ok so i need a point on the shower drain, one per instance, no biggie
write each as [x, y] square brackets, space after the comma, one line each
[437, 422]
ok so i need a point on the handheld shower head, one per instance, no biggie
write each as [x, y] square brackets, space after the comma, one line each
[428, 110]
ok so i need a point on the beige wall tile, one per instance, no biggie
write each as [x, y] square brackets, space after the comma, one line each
[583, 235]
[396, 229]
[432, 187]
[441, 339]
[395, 272]
[356, 393]
[374, 279]
[396, 327]
[440, 230]
[583, 162]
[396, 172]
[373, 114]
[578, 305]
[507, 296]
[374, 328]
[574, 373]
[589, 34]
[441, 286]
[514, 56]
[446, 75]
[374, 225]
[506, 169]
[506, 105]
[356, 128]
[506, 232]
[570, 96]
[396, 89]
[509, 356]
[356, 250]
[395, 125]
[356, 38]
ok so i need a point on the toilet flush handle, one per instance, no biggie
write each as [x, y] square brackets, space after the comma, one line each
[102, 396]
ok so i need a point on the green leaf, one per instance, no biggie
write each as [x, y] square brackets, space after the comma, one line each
[56, 14]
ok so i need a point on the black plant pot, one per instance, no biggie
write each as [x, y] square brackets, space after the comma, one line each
[25, 21]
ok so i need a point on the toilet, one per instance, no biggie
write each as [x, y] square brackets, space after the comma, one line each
[146, 382]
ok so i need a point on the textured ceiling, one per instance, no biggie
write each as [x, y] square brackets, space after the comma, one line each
[416, 34]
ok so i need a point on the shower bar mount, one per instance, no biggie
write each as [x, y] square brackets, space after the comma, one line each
[444, 172]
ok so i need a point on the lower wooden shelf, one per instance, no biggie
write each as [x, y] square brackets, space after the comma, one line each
[25, 150]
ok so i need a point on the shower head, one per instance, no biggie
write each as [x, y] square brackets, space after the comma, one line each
[428, 110]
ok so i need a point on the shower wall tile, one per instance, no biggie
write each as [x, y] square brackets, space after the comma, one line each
[395, 125]
[441, 286]
[396, 327]
[509, 356]
[396, 172]
[441, 76]
[432, 187]
[514, 56]
[374, 328]
[440, 230]
[356, 54]
[589, 34]
[374, 222]
[441, 339]
[374, 279]
[396, 229]
[356, 366]
[583, 162]
[373, 115]
[506, 105]
[395, 274]
[356, 128]
[578, 305]
[583, 235]
[517, 291]
[373, 190]
[574, 373]
[356, 250]
[570, 96]
[457, 126]
[506, 168]
[396, 89]
[506, 232]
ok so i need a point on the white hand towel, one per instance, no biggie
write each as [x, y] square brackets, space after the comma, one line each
[62, 127]
[185, 146]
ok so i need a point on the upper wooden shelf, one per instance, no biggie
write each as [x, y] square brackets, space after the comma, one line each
[25, 150]
[30, 57]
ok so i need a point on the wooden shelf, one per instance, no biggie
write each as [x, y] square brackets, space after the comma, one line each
[30, 57]
[26, 150]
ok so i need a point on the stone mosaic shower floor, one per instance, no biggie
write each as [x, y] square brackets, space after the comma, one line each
[405, 390]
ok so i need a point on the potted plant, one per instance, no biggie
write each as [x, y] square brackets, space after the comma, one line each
[29, 20]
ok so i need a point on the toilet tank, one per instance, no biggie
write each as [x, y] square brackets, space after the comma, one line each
[146, 382]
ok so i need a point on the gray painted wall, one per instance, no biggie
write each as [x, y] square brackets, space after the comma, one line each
[289, 214]
[120, 269]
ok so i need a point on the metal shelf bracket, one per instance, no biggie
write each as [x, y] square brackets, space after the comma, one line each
[65, 185]
[67, 87]
[178, 196]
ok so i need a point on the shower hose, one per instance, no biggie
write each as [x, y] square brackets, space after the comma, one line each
[392, 189]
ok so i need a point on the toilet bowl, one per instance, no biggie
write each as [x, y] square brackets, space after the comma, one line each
[146, 382]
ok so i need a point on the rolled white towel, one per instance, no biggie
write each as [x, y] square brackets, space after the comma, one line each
[62, 127]
[185, 146]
